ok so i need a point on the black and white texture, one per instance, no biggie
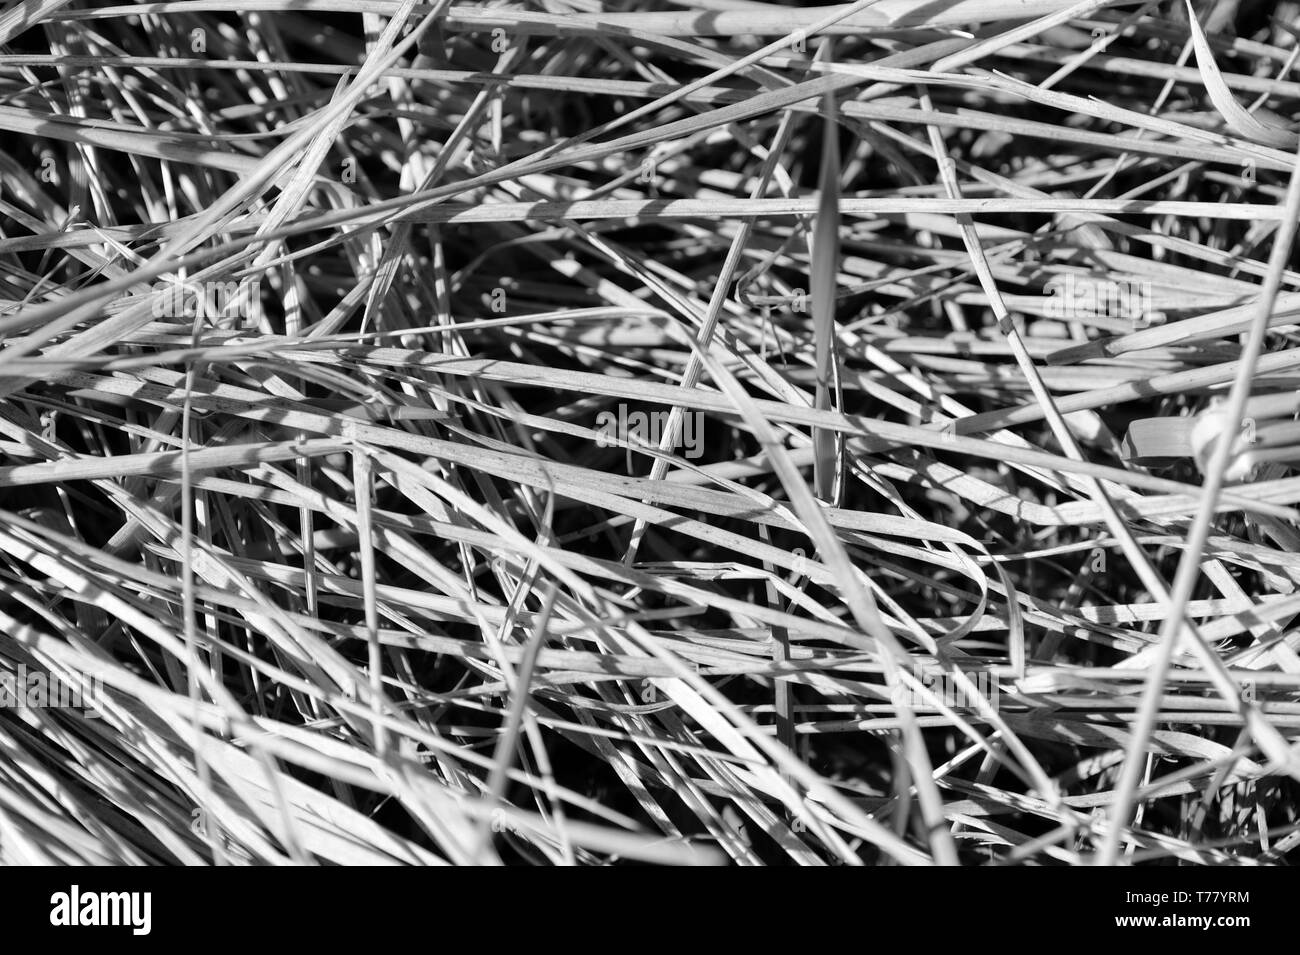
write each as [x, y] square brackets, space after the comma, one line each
[696, 432]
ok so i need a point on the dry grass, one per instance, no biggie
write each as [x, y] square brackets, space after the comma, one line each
[370, 559]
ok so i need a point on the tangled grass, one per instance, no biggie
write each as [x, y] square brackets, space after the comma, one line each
[553, 432]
